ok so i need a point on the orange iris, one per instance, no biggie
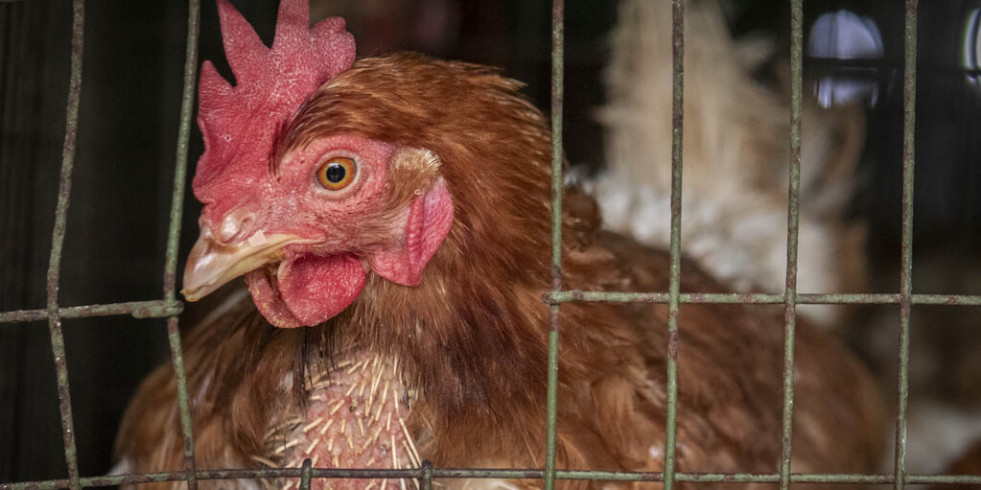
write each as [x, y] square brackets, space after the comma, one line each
[337, 173]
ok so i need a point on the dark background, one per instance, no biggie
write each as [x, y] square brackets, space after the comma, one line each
[120, 202]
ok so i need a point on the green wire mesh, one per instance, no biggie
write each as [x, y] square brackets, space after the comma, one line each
[169, 307]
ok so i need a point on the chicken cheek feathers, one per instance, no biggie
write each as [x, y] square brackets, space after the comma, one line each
[428, 223]
[311, 289]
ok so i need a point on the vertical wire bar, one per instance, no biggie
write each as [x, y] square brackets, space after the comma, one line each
[793, 208]
[674, 284]
[426, 482]
[58, 242]
[906, 266]
[306, 474]
[558, 71]
[173, 235]
[183, 139]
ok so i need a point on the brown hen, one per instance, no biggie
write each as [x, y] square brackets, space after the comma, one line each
[399, 211]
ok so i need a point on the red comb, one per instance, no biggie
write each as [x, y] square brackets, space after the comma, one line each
[239, 123]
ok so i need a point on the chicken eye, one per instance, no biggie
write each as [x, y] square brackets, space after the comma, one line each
[337, 173]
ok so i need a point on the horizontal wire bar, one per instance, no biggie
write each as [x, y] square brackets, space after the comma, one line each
[573, 296]
[138, 309]
[512, 474]
[163, 309]
[946, 300]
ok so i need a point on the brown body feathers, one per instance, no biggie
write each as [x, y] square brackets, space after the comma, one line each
[468, 346]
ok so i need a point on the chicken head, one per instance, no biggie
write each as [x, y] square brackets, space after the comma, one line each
[307, 226]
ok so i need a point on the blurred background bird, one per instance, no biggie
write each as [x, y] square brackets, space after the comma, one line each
[736, 156]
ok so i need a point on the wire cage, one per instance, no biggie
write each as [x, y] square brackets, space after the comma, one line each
[168, 307]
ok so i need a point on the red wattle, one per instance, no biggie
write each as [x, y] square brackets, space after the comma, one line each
[309, 289]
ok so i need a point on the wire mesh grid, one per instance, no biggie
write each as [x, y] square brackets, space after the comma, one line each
[170, 307]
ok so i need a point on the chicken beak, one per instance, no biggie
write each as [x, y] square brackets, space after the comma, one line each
[211, 264]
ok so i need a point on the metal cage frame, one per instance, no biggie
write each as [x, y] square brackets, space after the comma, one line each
[170, 307]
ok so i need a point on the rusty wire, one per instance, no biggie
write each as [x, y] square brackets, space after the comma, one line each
[58, 241]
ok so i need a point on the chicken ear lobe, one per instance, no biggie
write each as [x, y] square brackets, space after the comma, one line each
[428, 223]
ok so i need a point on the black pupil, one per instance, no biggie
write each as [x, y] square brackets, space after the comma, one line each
[335, 173]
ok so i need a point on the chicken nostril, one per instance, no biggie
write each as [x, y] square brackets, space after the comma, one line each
[229, 228]
[236, 226]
